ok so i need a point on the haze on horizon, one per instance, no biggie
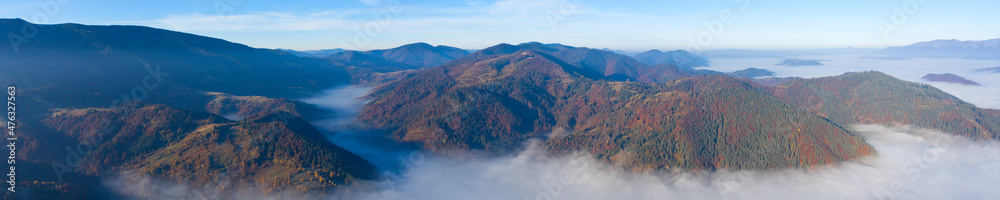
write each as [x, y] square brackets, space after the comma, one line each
[472, 24]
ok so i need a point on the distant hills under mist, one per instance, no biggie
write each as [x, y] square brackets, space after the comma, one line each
[985, 49]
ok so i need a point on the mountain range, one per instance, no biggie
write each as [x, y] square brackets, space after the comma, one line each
[204, 111]
[984, 49]
[410, 56]
[500, 97]
[83, 82]
[495, 102]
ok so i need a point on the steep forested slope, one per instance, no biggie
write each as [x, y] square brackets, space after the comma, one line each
[877, 98]
[271, 151]
[495, 102]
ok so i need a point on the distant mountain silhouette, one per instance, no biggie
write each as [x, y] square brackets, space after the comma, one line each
[315, 53]
[992, 69]
[949, 78]
[422, 55]
[985, 49]
[751, 73]
[410, 56]
[360, 62]
[677, 57]
[617, 51]
[800, 62]
[748, 53]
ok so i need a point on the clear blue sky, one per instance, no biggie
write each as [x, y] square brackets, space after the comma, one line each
[631, 25]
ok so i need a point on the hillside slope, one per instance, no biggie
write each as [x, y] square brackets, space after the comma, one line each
[271, 151]
[90, 66]
[495, 102]
[877, 98]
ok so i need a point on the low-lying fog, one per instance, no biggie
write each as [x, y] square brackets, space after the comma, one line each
[346, 102]
[911, 164]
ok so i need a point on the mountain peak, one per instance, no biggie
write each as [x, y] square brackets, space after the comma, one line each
[421, 45]
[549, 46]
[534, 45]
[531, 43]
[653, 51]
[502, 48]
[677, 57]
[409, 56]
[505, 48]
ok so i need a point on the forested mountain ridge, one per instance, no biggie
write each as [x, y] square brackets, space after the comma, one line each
[421, 54]
[705, 122]
[270, 151]
[494, 102]
[97, 63]
[877, 98]
[410, 56]
[608, 64]
[457, 101]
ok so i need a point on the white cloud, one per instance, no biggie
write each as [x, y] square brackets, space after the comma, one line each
[344, 101]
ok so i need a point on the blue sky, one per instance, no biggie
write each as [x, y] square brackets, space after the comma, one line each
[632, 25]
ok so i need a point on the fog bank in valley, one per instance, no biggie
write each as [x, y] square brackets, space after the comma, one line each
[345, 102]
